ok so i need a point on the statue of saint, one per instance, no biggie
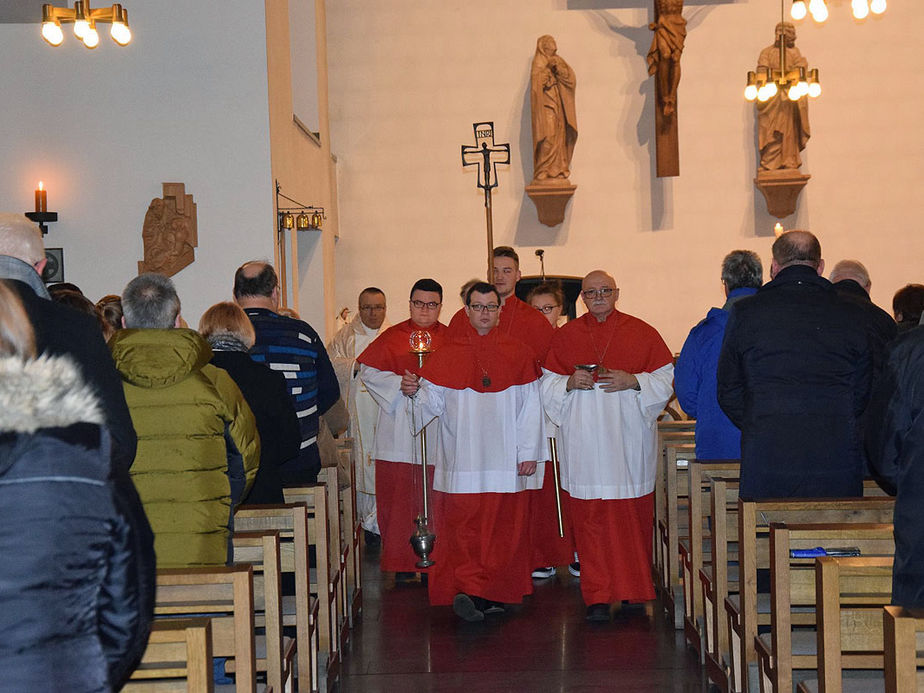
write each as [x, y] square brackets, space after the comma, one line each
[670, 30]
[551, 95]
[782, 125]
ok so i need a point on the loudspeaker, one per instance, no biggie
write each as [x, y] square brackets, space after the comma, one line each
[54, 268]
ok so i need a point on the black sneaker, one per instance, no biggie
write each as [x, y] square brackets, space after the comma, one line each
[494, 608]
[598, 613]
[464, 607]
[575, 568]
[543, 573]
[373, 540]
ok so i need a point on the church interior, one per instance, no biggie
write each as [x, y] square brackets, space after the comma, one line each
[358, 111]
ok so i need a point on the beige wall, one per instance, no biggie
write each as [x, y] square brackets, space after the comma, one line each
[408, 79]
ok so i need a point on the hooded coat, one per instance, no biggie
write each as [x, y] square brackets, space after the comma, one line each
[198, 446]
[69, 598]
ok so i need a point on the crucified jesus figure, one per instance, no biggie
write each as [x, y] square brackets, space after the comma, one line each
[670, 29]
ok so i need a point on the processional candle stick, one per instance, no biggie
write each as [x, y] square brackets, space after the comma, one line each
[423, 538]
[486, 155]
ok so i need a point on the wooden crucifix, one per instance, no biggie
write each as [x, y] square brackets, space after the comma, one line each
[670, 29]
[486, 155]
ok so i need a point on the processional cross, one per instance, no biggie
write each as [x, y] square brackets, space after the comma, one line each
[486, 155]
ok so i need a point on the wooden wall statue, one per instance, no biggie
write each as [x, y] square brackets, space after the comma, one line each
[169, 232]
[670, 31]
[554, 123]
[782, 130]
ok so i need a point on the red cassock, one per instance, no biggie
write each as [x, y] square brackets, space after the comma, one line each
[398, 496]
[608, 449]
[485, 392]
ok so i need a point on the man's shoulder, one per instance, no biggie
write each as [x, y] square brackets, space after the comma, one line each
[714, 322]
[275, 329]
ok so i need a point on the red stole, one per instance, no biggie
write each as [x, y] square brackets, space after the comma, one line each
[621, 342]
[391, 350]
[484, 364]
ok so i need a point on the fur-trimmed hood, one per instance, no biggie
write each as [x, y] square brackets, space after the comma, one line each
[46, 392]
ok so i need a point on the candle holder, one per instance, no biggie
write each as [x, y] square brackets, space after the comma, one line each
[43, 218]
[423, 538]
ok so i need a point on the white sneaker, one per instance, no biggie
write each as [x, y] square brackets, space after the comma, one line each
[575, 569]
[543, 573]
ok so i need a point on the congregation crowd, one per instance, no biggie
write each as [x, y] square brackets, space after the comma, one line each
[127, 439]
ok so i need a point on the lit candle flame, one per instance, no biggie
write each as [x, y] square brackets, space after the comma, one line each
[778, 229]
[41, 185]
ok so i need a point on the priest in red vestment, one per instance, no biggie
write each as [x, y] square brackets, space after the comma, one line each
[398, 480]
[484, 387]
[607, 378]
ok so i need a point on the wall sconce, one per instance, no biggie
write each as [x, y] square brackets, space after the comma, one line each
[85, 20]
[819, 9]
[41, 215]
[299, 217]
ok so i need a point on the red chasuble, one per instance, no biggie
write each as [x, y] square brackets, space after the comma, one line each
[620, 342]
[391, 350]
[518, 320]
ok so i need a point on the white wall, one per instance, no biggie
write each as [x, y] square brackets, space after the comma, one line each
[186, 101]
[408, 79]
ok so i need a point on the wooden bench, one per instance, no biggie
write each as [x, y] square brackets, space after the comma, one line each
[352, 531]
[674, 431]
[791, 642]
[719, 578]
[225, 595]
[850, 595]
[673, 527]
[695, 551]
[313, 606]
[275, 653]
[742, 615]
[178, 657]
[903, 632]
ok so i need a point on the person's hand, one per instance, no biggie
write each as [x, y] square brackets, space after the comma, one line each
[616, 380]
[410, 384]
[527, 468]
[580, 380]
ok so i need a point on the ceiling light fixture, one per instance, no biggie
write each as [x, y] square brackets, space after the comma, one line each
[85, 20]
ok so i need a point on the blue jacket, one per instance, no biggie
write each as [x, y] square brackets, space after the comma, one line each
[717, 438]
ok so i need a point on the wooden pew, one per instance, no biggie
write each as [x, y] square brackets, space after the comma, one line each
[225, 595]
[178, 658]
[312, 609]
[791, 643]
[850, 594]
[352, 527]
[742, 614]
[719, 578]
[902, 640]
[673, 528]
[275, 653]
[695, 552]
[338, 545]
[675, 431]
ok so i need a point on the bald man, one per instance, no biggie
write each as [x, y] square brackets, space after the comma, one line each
[794, 375]
[606, 378]
[292, 347]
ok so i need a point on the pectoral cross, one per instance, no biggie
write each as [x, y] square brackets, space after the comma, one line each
[486, 155]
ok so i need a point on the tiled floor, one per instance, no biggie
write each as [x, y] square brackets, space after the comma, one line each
[545, 645]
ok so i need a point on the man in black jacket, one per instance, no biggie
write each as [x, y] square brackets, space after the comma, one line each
[62, 330]
[895, 444]
[794, 375]
[852, 283]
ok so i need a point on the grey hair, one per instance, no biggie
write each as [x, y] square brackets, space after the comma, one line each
[850, 269]
[20, 238]
[742, 269]
[150, 301]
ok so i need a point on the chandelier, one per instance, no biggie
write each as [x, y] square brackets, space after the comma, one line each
[84, 20]
[819, 9]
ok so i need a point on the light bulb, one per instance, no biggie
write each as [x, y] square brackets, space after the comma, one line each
[793, 93]
[878, 6]
[860, 8]
[750, 92]
[763, 94]
[771, 89]
[814, 90]
[798, 10]
[820, 14]
[91, 38]
[120, 33]
[52, 33]
[81, 27]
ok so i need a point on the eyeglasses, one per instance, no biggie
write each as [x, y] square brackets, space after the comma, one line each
[605, 292]
[546, 309]
[432, 305]
[370, 309]
[479, 307]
